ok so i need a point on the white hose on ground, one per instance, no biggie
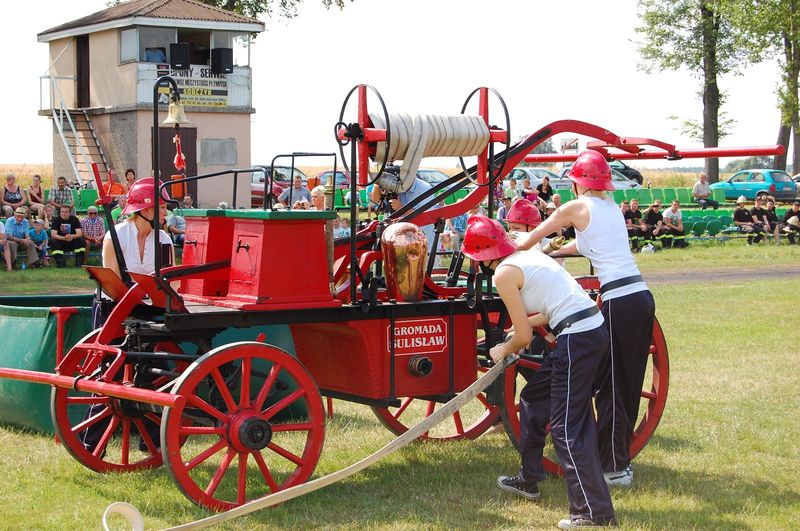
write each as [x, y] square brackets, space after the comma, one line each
[293, 492]
[427, 135]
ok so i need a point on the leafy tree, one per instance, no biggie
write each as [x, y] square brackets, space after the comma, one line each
[255, 8]
[692, 34]
[773, 30]
[750, 163]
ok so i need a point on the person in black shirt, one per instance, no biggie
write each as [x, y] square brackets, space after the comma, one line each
[66, 235]
[545, 190]
[791, 220]
[653, 222]
[743, 219]
[633, 222]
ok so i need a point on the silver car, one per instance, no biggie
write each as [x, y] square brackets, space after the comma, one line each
[618, 179]
[536, 175]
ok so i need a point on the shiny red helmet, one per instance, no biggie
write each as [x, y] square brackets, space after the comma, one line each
[485, 239]
[525, 212]
[592, 171]
[142, 195]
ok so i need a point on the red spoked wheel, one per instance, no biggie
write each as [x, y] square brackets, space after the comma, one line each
[654, 391]
[246, 434]
[117, 436]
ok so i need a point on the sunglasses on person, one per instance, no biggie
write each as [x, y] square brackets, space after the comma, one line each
[92, 213]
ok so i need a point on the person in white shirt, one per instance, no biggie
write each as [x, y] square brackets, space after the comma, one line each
[673, 221]
[701, 193]
[628, 306]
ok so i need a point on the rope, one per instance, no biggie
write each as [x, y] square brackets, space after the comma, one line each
[134, 517]
[427, 135]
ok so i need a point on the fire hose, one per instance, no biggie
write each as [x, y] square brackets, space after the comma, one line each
[135, 520]
[427, 135]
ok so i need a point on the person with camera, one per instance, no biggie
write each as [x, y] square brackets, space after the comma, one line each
[385, 195]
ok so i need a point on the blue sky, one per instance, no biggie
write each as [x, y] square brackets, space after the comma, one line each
[548, 62]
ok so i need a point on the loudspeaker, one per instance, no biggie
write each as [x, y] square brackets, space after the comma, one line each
[179, 55]
[222, 60]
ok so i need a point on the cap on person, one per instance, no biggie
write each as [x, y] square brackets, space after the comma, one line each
[92, 209]
[22, 211]
[551, 205]
[742, 199]
[38, 221]
[796, 202]
[223, 205]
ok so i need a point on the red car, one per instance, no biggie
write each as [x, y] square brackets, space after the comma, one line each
[281, 180]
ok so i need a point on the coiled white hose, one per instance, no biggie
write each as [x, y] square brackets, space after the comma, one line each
[427, 135]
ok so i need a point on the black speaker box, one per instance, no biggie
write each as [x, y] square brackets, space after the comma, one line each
[179, 55]
[222, 60]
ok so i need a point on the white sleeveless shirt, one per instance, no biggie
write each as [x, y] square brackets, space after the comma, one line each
[127, 233]
[605, 243]
[549, 290]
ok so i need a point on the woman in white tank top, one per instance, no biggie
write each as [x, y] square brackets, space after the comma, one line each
[628, 306]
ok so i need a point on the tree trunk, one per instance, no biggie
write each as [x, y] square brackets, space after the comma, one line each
[784, 132]
[710, 24]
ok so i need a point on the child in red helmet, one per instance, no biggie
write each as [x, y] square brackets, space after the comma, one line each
[533, 283]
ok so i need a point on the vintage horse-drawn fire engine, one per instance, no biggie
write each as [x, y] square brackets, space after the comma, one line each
[234, 421]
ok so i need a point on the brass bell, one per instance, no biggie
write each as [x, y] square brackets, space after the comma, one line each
[176, 114]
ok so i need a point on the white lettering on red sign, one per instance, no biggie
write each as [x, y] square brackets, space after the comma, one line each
[418, 336]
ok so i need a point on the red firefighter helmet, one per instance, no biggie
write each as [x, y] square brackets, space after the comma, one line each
[525, 212]
[592, 171]
[485, 239]
[143, 195]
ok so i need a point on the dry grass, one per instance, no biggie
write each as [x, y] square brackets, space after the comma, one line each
[25, 173]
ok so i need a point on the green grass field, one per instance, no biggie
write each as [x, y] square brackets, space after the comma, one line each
[725, 455]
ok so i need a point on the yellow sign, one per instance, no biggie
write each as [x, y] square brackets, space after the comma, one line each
[197, 86]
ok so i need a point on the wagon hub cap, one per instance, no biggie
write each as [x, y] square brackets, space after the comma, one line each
[251, 434]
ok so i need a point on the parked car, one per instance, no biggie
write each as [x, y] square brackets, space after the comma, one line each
[282, 178]
[536, 175]
[627, 171]
[621, 182]
[754, 183]
[432, 177]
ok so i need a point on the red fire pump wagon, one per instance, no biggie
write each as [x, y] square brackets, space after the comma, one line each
[159, 383]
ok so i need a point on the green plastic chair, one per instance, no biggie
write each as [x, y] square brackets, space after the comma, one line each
[658, 194]
[699, 228]
[691, 220]
[709, 217]
[669, 195]
[726, 220]
[631, 193]
[713, 228]
[684, 195]
[619, 196]
[718, 195]
[566, 195]
[645, 196]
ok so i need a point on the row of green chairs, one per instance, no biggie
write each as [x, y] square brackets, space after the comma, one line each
[704, 229]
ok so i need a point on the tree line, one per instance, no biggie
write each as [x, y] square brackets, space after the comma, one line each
[711, 38]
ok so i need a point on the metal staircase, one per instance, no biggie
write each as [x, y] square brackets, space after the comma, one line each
[80, 143]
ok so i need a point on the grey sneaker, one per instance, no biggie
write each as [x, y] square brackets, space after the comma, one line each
[576, 523]
[623, 478]
[515, 484]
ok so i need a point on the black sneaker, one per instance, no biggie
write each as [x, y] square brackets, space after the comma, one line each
[515, 484]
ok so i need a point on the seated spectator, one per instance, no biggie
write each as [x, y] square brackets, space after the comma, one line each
[341, 228]
[544, 190]
[528, 192]
[673, 223]
[511, 191]
[187, 202]
[47, 218]
[35, 194]
[298, 192]
[701, 193]
[318, 198]
[66, 235]
[502, 212]
[116, 213]
[454, 229]
[744, 222]
[774, 221]
[39, 238]
[791, 220]
[94, 229]
[113, 188]
[653, 222]
[346, 199]
[222, 205]
[176, 228]
[556, 200]
[61, 195]
[759, 215]
[19, 238]
[13, 196]
[130, 178]
[5, 248]
[634, 225]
